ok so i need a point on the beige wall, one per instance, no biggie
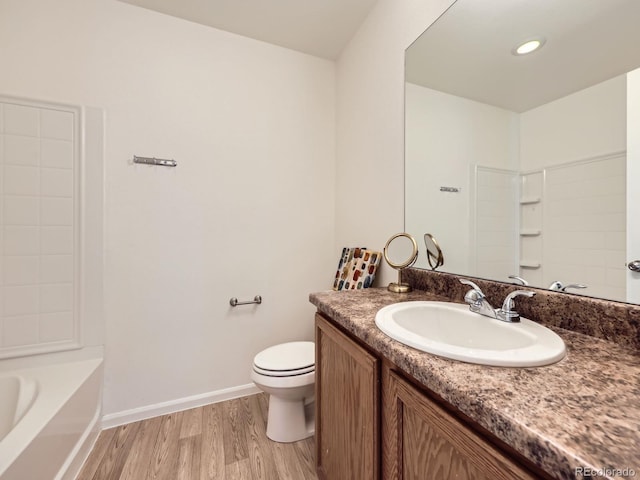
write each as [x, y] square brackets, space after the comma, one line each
[370, 124]
[582, 125]
[249, 209]
[260, 203]
[580, 142]
[633, 192]
[446, 138]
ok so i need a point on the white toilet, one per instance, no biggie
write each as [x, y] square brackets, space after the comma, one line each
[287, 373]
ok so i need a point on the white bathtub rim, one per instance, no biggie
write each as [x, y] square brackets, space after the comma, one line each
[75, 461]
[29, 390]
[26, 394]
[12, 365]
[58, 388]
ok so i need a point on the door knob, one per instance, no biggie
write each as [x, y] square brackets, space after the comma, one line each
[634, 266]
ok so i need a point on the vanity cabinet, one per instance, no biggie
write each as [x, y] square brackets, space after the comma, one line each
[423, 441]
[372, 422]
[347, 403]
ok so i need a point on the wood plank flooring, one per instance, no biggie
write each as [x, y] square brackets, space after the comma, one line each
[224, 440]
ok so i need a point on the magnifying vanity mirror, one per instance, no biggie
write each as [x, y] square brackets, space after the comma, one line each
[434, 252]
[519, 163]
[400, 252]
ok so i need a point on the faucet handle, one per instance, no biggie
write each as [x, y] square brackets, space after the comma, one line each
[471, 284]
[556, 286]
[507, 313]
[559, 287]
[475, 296]
[519, 280]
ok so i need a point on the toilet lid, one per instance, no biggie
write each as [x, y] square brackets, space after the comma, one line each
[287, 357]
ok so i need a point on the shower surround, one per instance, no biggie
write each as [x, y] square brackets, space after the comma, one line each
[51, 265]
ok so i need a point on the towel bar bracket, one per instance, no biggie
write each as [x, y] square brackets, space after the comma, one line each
[155, 161]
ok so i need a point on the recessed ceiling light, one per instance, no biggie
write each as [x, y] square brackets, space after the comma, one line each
[529, 46]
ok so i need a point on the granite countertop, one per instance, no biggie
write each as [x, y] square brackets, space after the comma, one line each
[580, 413]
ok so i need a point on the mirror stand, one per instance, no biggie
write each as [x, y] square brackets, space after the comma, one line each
[400, 287]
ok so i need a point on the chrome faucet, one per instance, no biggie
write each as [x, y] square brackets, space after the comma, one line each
[519, 280]
[507, 313]
[478, 303]
[559, 287]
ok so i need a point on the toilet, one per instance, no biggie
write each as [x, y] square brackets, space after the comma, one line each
[287, 373]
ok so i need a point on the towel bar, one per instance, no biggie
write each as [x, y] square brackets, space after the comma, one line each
[234, 301]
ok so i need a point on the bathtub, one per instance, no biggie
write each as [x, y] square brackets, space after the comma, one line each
[48, 419]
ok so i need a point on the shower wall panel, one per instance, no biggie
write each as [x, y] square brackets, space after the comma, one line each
[585, 224]
[39, 206]
[496, 223]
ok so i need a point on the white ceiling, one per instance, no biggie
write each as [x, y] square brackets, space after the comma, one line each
[467, 52]
[321, 28]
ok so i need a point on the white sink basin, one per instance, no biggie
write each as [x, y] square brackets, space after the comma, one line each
[450, 330]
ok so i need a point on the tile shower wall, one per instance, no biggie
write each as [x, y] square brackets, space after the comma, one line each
[496, 246]
[38, 211]
[585, 225]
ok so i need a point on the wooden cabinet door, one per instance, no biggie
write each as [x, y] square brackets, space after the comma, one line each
[347, 400]
[421, 441]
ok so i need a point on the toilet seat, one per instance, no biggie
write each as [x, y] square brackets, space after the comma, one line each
[284, 382]
[283, 373]
[286, 360]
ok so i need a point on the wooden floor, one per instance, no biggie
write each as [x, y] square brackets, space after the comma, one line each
[224, 440]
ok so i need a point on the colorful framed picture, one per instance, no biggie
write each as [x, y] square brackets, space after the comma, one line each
[356, 268]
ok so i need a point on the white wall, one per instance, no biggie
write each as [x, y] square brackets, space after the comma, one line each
[633, 192]
[584, 226]
[580, 141]
[249, 209]
[582, 125]
[370, 124]
[446, 137]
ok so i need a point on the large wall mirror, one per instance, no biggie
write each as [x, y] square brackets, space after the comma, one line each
[523, 166]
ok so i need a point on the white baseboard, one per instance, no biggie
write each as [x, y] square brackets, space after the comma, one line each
[149, 411]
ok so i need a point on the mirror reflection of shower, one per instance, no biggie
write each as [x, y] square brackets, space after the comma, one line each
[541, 173]
[400, 252]
[434, 252]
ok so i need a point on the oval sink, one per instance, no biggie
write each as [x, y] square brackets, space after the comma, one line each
[450, 330]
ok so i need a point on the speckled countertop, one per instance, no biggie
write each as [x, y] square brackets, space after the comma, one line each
[582, 412]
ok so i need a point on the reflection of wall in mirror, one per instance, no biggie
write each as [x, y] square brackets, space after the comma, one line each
[633, 174]
[581, 139]
[445, 137]
[494, 239]
[459, 133]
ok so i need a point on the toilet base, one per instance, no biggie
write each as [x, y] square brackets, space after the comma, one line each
[290, 420]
